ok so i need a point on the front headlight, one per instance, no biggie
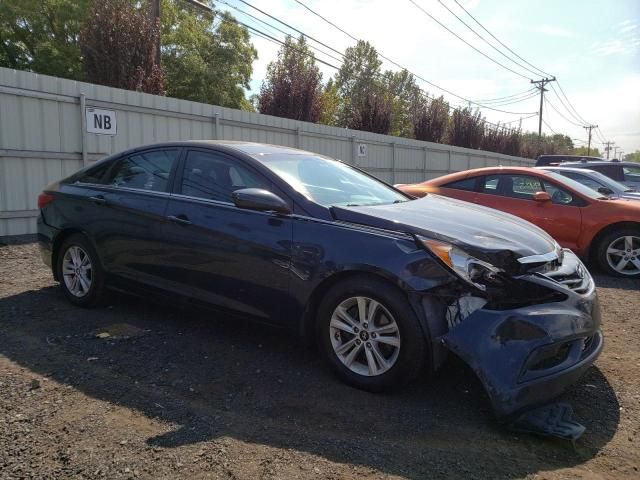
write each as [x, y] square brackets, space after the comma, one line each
[466, 266]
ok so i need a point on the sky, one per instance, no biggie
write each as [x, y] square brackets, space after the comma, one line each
[592, 47]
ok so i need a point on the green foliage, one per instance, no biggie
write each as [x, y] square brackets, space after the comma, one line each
[466, 128]
[430, 120]
[331, 101]
[633, 157]
[205, 62]
[293, 85]
[402, 88]
[114, 52]
[357, 78]
[593, 152]
[42, 36]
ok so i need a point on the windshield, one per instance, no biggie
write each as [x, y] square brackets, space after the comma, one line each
[577, 186]
[611, 183]
[330, 182]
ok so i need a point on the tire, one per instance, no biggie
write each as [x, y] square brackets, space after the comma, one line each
[400, 364]
[74, 256]
[618, 252]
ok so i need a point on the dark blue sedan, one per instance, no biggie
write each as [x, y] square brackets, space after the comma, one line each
[385, 284]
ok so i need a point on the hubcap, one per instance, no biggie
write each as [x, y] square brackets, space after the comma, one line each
[364, 336]
[623, 255]
[77, 271]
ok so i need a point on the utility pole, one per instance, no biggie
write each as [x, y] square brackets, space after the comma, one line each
[589, 127]
[615, 149]
[155, 16]
[540, 85]
[608, 147]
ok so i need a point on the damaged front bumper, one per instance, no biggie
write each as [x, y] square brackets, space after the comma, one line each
[528, 355]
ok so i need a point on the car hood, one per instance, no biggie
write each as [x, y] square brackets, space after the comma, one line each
[488, 234]
[630, 195]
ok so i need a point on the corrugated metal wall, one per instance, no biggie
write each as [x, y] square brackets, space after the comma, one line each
[42, 138]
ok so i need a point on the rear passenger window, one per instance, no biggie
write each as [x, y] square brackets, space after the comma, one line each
[216, 177]
[94, 174]
[611, 171]
[468, 184]
[143, 171]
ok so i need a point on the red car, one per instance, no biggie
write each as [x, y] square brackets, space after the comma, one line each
[579, 218]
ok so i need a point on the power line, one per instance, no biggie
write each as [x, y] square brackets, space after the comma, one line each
[419, 77]
[280, 30]
[498, 40]
[559, 113]
[485, 40]
[491, 100]
[464, 41]
[512, 101]
[578, 119]
[572, 107]
[549, 127]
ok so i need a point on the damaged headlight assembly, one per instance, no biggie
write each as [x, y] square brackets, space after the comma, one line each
[472, 270]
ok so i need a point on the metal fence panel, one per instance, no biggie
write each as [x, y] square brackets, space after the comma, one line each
[43, 139]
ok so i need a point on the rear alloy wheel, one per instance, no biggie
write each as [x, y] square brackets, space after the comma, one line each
[370, 335]
[619, 253]
[79, 272]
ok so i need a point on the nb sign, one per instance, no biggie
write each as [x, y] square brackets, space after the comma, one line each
[102, 122]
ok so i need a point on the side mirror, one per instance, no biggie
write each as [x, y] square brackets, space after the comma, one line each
[542, 197]
[605, 191]
[259, 199]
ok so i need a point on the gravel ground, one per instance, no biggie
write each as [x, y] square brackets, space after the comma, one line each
[138, 390]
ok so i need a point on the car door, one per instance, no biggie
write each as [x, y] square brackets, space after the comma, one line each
[514, 193]
[131, 202]
[232, 257]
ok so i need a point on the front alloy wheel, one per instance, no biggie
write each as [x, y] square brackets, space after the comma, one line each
[364, 336]
[370, 334]
[623, 255]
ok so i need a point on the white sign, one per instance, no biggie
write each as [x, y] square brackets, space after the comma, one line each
[102, 122]
[362, 149]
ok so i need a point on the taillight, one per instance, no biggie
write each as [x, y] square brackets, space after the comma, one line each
[45, 199]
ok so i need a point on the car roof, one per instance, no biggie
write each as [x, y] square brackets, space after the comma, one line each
[249, 148]
[601, 162]
[452, 177]
[568, 169]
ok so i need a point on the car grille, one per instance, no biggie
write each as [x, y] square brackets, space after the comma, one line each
[577, 280]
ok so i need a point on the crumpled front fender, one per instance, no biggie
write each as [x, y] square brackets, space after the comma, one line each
[528, 355]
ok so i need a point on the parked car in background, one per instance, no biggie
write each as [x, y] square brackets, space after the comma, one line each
[596, 181]
[623, 172]
[579, 218]
[384, 284]
[546, 160]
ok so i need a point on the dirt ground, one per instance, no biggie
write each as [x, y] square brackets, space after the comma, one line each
[139, 390]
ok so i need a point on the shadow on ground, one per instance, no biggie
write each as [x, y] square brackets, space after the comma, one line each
[234, 378]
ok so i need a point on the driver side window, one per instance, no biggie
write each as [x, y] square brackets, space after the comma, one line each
[559, 196]
[215, 177]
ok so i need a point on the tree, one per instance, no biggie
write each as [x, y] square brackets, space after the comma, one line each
[372, 113]
[206, 62]
[115, 51]
[293, 85]
[466, 128]
[331, 103]
[431, 118]
[593, 152]
[633, 157]
[43, 36]
[405, 93]
[358, 76]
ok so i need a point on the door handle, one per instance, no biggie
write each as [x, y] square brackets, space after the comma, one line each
[180, 219]
[98, 200]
